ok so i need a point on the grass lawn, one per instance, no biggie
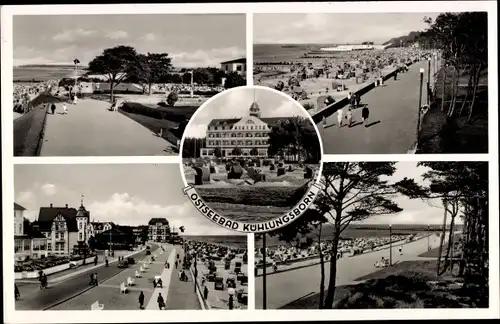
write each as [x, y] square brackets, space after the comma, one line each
[29, 128]
[409, 284]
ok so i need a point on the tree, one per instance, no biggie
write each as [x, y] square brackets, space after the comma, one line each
[218, 152]
[115, 63]
[152, 68]
[254, 151]
[236, 151]
[172, 98]
[353, 191]
[234, 79]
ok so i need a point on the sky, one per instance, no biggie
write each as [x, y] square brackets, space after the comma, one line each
[415, 211]
[193, 40]
[127, 194]
[236, 104]
[334, 28]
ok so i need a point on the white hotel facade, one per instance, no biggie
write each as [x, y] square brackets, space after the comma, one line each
[250, 134]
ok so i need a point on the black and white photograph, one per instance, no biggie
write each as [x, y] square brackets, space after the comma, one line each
[382, 83]
[251, 154]
[119, 237]
[118, 85]
[383, 235]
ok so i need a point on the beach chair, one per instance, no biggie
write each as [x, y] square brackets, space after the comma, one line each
[137, 274]
[96, 306]
[130, 281]
[123, 288]
[141, 269]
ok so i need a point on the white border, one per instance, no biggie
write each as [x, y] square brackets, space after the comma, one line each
[12, 316]
[206, 105]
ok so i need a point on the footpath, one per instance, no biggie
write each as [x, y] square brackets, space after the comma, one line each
[91, 129]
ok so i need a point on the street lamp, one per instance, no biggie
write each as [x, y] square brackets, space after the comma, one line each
[192, 90]
[76, 62]
[429, 82]
[428, 237]
[264, 265]
[420, 103]
[390, 245]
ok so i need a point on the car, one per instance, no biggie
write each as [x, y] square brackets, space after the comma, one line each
[242, 295]
[130, 260]
[219, 283]
[231, 282]
[211, 277]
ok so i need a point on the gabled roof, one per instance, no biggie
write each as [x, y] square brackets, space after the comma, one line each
[47, 214]
[270, 121]
[153, 221]
[240, 60]
[18, 207]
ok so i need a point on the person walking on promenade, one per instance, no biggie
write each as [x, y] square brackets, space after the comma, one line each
[340, 114]
[107, 262]
[205, 293]
[53, 108]
[160, 283]
[161, 302]
[176, 263]
[95, 260]
[141, 300]
[358, 100]
[65, 109]
[395, 75]
[349, 117]
[365, 113]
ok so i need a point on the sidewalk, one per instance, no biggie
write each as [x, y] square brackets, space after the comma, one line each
[166, 277]
[90, 129]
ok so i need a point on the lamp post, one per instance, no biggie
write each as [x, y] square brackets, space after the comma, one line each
[420, 103]
[429, 82]
[428, 237]
[390, 245]
[76, 62]
[192, 90]
[264, 265]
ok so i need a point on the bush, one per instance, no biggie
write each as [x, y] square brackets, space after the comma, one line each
[172, 98]
[138, 109]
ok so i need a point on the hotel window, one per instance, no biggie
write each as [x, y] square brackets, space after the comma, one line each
[80, 236]
[79, 225]
[21, 229]
[49, 246]
[233, 142]
[257, 142]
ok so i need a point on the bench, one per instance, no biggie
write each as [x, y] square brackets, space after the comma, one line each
[146, 266]
[141, 269]
[130, 281]
[138, 273]
[123, 288]
[96, 306]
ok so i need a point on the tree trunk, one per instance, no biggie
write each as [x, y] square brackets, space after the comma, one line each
[454, 86]
[469, 86]
[476, 82]
[443, 233]
[322, 264]
[443, 96]
[330, 295]
[149, 91]
[111, 88]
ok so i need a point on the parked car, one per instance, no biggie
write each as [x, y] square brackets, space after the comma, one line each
[211, 277]
[219, 283]
[231, 282]
[123, 264]
[130, 260]
[242, 295]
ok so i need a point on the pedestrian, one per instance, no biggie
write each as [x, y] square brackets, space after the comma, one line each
[107, 262]
[349, 117]
[205, 293]
[75, 99]
[395, 75]
[95, 260]
[53, 108]
[365, 113]
[161, 302]
[141, 300]
[154, 283]
[96, 281]
[65, 109]
[400, 250]
[358, 100]
[352, 101]
[176, 263]
[340, 114]
[91, 279]
[231, 302]
[160, 283]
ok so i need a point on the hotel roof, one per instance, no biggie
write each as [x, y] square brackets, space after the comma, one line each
[240, 60]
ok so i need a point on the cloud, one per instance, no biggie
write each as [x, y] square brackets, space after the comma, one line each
[119, 34]
[70, 35]
[125, 209]
[26, 197]
[211, 57]
[49, 189]
[150, 37]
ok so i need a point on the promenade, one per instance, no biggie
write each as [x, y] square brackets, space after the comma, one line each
[285, 287]
[392, 123]
[91, 129]
[76, 294]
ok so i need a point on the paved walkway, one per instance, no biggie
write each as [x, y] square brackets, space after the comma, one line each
[285, 287]
[90, 129]
[393, 119]
[166, 276]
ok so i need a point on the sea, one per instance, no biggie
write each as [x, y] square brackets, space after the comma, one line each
[40, 73]
[289, 52]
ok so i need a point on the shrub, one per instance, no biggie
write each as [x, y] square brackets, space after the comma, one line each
[172, 98]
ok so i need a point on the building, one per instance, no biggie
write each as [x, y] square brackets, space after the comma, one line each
[96, 228]
[64, 227]
[238, 65]
[249, 134]
[29, 243]
[159, 229]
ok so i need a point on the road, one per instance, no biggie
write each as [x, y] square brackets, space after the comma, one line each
[76, 294]
[90, 129]
[393, 119]
[285, 287]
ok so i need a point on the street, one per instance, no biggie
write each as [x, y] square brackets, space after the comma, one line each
[76, 294]
[392, 121]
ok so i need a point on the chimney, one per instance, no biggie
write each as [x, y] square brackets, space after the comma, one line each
[66, 205]
[50, 205]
